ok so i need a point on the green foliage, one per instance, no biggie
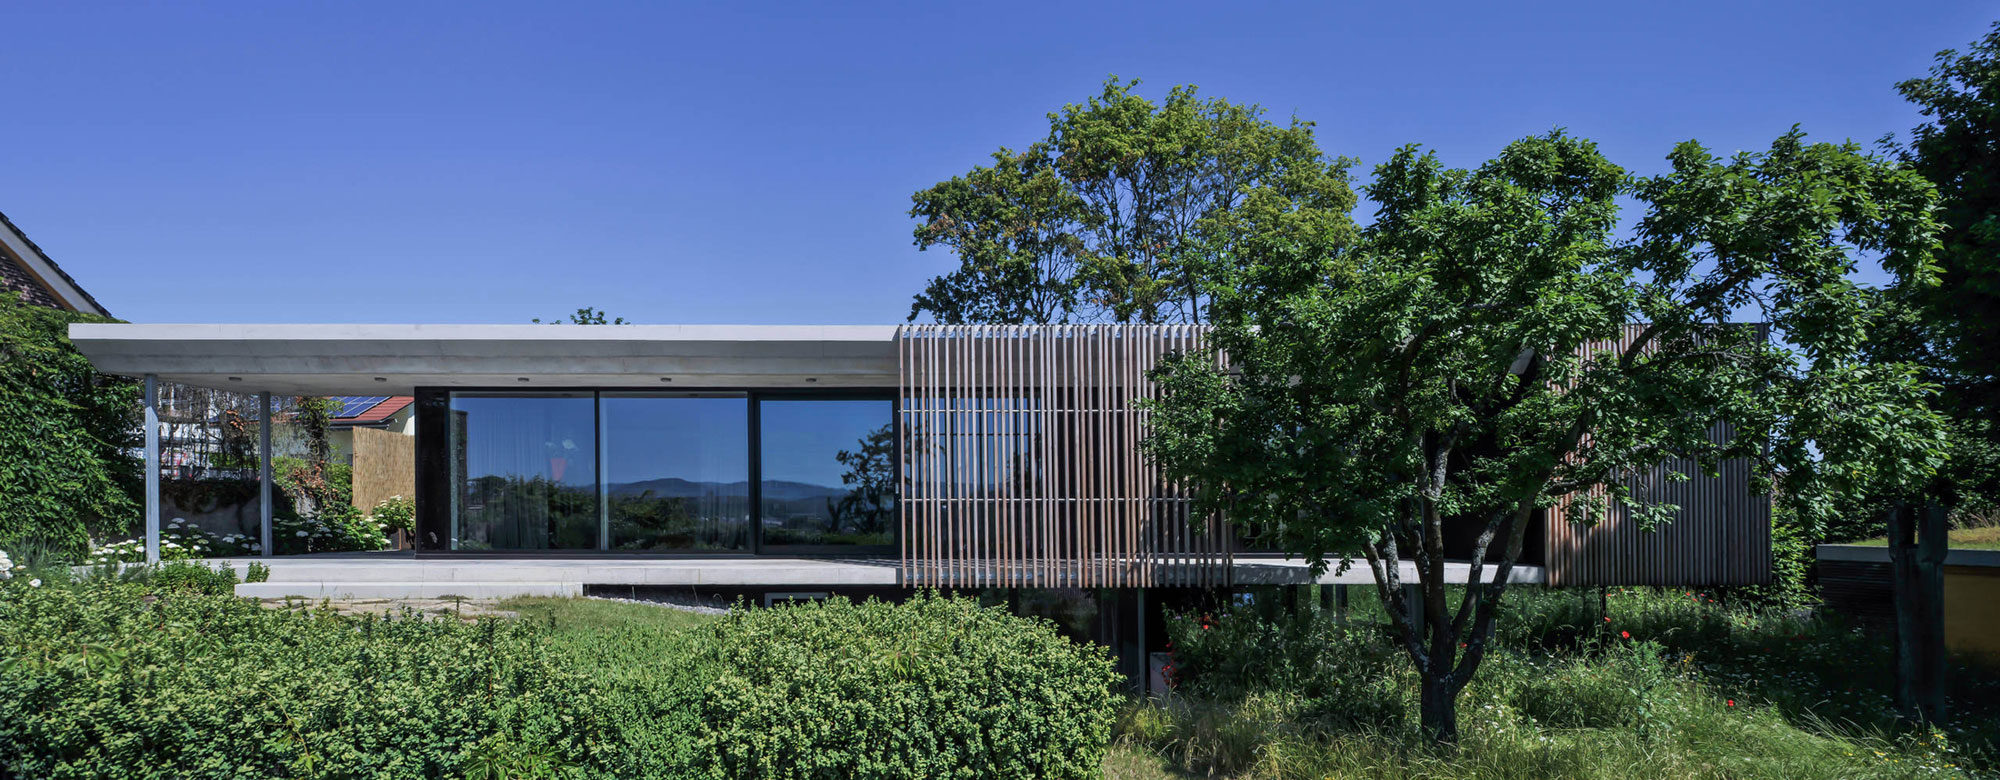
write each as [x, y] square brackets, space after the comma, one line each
[1340, 674]
[1674, 684]
[585, 316]
[1960, 317]
[338, 528]
[190, 577]
[98, 682]
[1126, 210]
[395, 513]
[66, 467]
[934, 687]
[1481, 373]
[163, 675]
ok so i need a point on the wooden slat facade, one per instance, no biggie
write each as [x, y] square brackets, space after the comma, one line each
[1721, 534]
[1021, 461]
[1022, 468]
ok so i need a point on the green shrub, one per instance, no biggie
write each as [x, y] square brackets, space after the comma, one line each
[395, 513]
[934, 687]
[98, 682]
[187, 577]
[1340, 675]
[151, 673]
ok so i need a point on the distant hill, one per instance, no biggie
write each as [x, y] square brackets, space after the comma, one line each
[774, 490]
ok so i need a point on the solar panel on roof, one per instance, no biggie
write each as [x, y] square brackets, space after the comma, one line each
[356, 405]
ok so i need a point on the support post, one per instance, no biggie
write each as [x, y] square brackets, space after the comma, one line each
[1340, 603]
[264, 474]
[1145, 654]
[152, 417]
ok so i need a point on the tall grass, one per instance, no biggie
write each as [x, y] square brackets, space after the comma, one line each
[1673, 685]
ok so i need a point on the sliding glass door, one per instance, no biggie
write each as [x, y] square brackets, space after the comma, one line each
[691, 472]
[677, 472]
[524, 472]
[827, 471]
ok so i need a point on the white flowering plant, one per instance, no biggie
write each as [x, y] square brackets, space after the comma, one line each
[338, 529]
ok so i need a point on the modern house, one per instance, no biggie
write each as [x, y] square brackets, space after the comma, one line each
[772, 461]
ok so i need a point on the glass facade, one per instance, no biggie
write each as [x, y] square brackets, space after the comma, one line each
[658, 472]
[828, 471]
[524, 472]
[677, 472]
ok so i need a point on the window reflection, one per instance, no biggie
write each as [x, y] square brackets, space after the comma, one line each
[677, 472]
[524, 472]
[829, 472]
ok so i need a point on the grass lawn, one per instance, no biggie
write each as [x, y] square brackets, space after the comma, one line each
[1986, 538]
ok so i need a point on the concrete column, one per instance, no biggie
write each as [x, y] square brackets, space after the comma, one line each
[1340, 603]
[152, 406]
[264, 472]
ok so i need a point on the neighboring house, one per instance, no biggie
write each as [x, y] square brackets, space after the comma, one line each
[25, 269]
[392, 413]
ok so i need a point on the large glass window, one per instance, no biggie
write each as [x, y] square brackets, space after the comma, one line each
[828, 471]
[524, 472]
[668, 472]
[677, 472]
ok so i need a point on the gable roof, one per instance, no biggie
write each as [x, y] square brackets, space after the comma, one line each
[368, 409]
[24, 267]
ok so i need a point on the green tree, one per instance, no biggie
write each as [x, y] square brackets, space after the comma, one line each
[870, 503]
[66, 462]
[1953, 328]
[1479, 373]
[587, 315]
[1127, 210]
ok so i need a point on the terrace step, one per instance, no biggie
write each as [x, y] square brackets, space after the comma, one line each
[406, 590]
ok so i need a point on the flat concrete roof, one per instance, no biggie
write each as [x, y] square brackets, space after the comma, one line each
[396, 359]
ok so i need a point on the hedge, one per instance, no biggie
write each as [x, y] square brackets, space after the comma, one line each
[108, 679]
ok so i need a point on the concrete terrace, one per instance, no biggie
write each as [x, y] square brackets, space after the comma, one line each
[402, 576]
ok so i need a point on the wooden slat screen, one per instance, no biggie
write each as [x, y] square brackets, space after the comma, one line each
[1720, 536]
[1021, 461]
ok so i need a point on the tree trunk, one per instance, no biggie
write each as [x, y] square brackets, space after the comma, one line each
[1917, 549]
[1438, 709]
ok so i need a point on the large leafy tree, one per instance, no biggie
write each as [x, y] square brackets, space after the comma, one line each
[1127, 211]
[66, 462]
[1953, 329]
[1463, 363]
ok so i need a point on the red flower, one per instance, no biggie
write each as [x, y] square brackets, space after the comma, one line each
[1607, 620]
[1732, 702]
[1626, 634]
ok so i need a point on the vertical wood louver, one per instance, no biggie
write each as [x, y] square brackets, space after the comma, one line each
[1022, 465]
[1022, 468]
[1721, 535]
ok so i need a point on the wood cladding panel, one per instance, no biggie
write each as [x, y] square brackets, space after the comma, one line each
[1721, 534]
[1021, 461]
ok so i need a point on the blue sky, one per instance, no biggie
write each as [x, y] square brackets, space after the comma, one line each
[752, 163]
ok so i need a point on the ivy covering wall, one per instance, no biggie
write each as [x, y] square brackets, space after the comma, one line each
[67, 436]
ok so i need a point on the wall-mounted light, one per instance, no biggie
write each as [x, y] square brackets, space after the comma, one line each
[666, 379]
[381, 379]
[236, 379]
[812, 379]
[522, 379]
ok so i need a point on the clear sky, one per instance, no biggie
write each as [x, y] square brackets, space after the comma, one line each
[752, 163]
